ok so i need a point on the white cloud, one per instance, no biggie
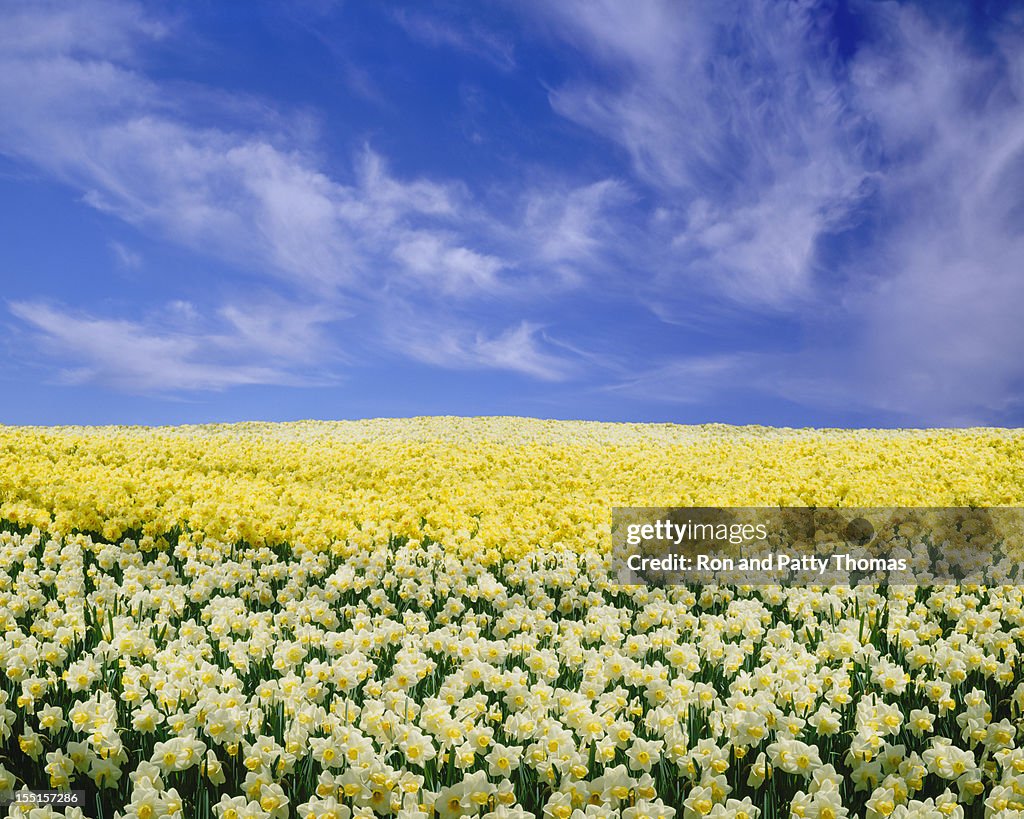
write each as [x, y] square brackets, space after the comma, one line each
[456, 270]
[747, 146]
[690, 380]
[281, 332]
[126, 257]
[519, 348]
[726, 114]
[254, 198]
[573, 226]
[397, 198]
[471, 39]
[136, 358]
[940, 330]
[759, 146]
[106, 28]
[104, 128]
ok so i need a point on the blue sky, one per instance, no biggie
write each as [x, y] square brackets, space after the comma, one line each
[778, 213]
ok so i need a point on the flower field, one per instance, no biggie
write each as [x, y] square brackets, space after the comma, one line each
[417, 618]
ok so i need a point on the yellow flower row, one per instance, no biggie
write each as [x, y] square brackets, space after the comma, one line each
[490, 487]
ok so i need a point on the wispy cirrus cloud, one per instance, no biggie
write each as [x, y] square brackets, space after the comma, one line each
[109, 29]
[940, 329]
[519, 348]
[139, 357]
[126, 257]
[729, 198]
[737, 122]
[468, 37]
[763, 149]
[574, 229]
[254, 198]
